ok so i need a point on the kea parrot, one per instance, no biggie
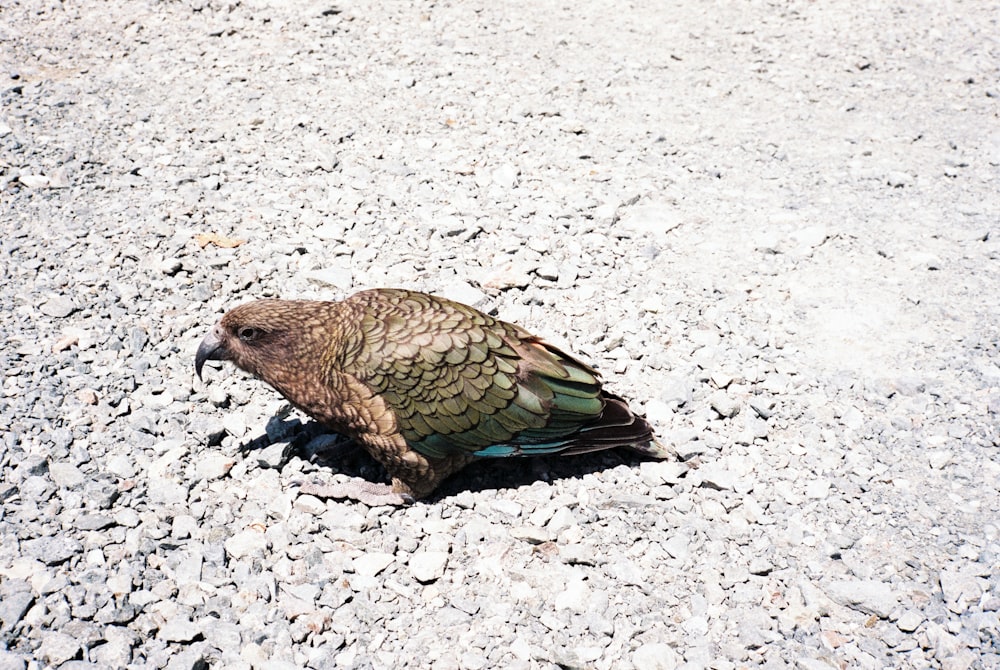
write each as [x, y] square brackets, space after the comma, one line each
[424, 384]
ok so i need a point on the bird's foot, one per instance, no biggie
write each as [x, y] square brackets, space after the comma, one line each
[369, 493]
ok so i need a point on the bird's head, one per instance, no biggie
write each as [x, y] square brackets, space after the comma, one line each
[257, 337]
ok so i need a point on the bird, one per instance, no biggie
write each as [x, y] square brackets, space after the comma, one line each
[426, 385]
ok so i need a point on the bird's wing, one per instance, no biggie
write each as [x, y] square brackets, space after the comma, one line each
[458, 380]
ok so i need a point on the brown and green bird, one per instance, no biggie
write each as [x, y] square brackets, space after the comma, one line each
[424, 384]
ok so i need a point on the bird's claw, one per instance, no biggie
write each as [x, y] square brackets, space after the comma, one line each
[369, 493]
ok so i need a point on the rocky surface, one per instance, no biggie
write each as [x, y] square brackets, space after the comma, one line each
[772, 226]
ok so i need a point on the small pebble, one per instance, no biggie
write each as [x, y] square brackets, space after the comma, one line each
[428, 566]
[371, 564]
[726, 405]
[58, 307]
[909, 621]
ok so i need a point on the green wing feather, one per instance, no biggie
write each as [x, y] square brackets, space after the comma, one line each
[459, 380]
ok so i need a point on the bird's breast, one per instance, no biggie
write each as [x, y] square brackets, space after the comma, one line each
[344, 404]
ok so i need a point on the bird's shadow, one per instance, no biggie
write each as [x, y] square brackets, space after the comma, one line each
[313, 442]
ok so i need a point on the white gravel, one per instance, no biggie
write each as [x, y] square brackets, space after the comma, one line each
[773, 226]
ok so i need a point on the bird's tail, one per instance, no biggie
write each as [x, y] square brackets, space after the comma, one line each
[582, 417]
[618, 426]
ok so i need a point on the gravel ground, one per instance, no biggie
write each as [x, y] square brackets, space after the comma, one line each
[774, 227]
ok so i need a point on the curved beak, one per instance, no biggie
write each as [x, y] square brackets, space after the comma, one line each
[210, 349]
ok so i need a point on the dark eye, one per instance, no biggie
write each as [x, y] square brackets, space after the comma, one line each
[248, 333]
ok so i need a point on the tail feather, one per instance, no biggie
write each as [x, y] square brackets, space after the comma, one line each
[618, 426]
[615, 426]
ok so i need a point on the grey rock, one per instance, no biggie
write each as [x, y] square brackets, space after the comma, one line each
[760, 566]
[94, 522]
[507, 507]
[925, 260]
[86, 633]
[688, 449]
[943, 644]
[817, 489]
[678, 547]
[272, 456]
[33, 180]
[960, 589]
[121, 466]
[428, 566]
[170, 266]
[33, 466]
[189, 570]
[574, 596]
[726, 405]
[808, 238]
[279, 664]
[57, 648]
[938, 459]
[179, 629]
[561, 519]
[58, 307]
[306, 592]
[898, 179]
[218, 396]
[531, 534]
[465, 605]
[627, 572]
[853, 418]
[235, 424]
[754, 627]
[36, 488]
[548, 271]
[510, 275]
[654, 218]
[341, 279]
[66, 475]
[13, 607]
[579, 554]
[206, 429]
[214, 465]
[347, 519]
[245, 543]
[909, 621]
[310, 504]
[505, 176]
[762, 406]
[656, 656]
[809, 663]
[54, 550]
[12, 661]
[372, 563]
[461, 291]
[753, 429]
[868, 596]
[716, 477]
[127, 517]
[167, 491]
[189, 659]
[473, 660]
[322, 443]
